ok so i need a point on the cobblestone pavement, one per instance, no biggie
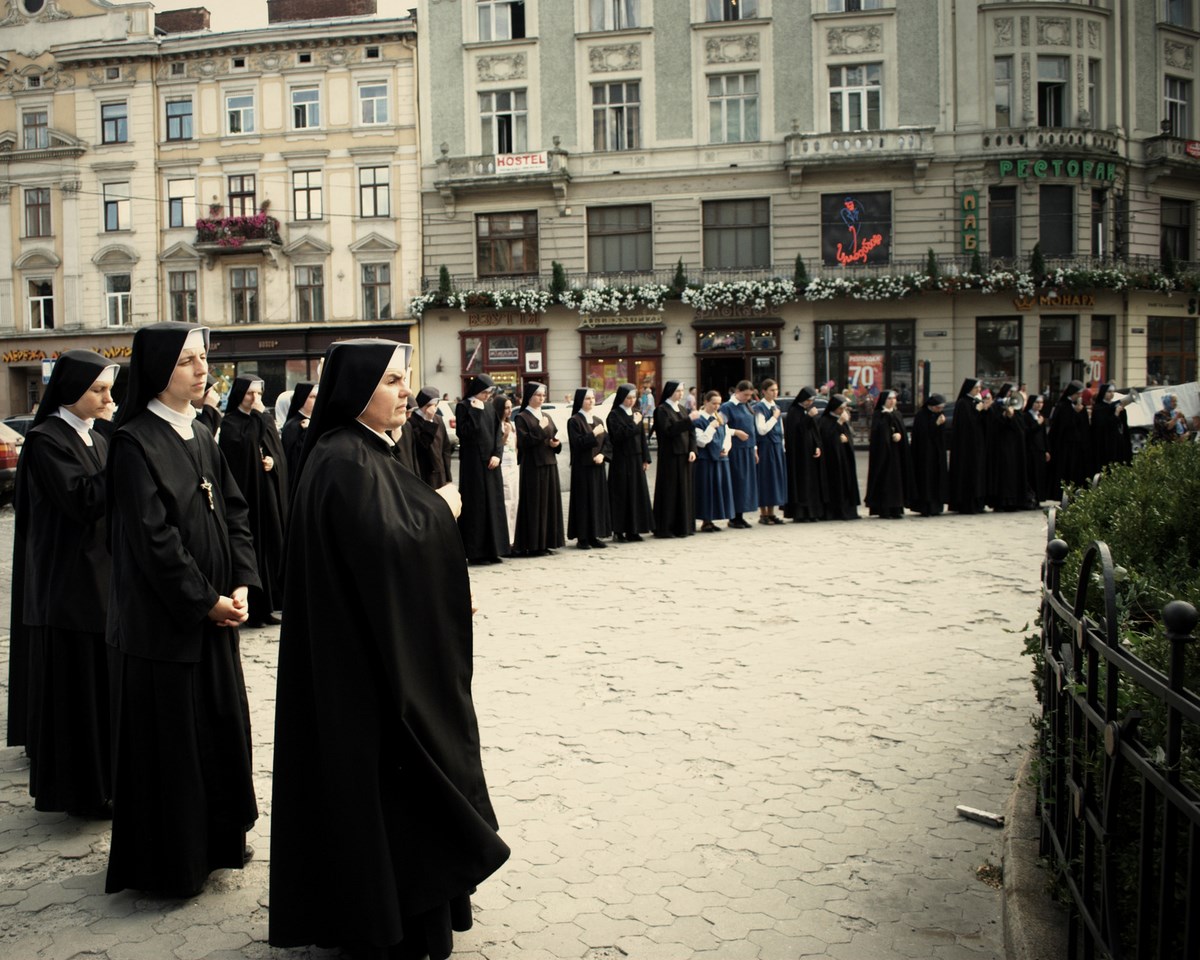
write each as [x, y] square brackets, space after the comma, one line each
[741, 745]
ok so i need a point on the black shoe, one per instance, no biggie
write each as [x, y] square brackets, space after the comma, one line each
[584, 545]
[707, 527]
[247, 854]
[598, 544]
[633, 538]
[739, 524]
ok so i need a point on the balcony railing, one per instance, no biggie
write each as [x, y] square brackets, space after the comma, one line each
[865, 144]
[1167, 149]
[237, 234]
[1037, 139]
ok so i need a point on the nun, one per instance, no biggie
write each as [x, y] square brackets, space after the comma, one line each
[405, 450]
[1037, 450]
[209, 407]
[930, 473]
[294, 427]
[1068, 441]
[431, 442]
[967, 492]
[802, 448]
[60, 588]
[743, 452]
[772, 464]
[503, 406]
[1110, 429]
[252, 447]
[889, 464]
[483, 523]
[837, 453]
[628, 491]
[1008, 483]
[714, 485]
[539, 500]
[588, 517]
[375, 727]
[674, 510]
[182, 563]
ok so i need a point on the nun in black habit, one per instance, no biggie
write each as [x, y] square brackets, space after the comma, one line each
[628, 492]
[61, 576]
[1068, 441]
[1037, 453]
[802, 448]
[208, 413]
[1110, 429]
[304, 395]
[889, 468]
[968, 450]
[182, 560]
[539, 500]
[431, 442]
[1007, 480]
[375, 730]
[483, 523]
[588, 517]
[930, 474]
[254, 451]
[674, 506]
[837, 453]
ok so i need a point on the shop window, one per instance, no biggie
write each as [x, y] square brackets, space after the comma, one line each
[865, 358]
[1170, 350]
[611, 358]
[998, 349]
[508, 358]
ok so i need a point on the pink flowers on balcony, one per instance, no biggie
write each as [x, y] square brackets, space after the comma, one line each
[235, 231]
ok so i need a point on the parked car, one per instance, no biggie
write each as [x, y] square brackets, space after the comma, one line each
[20, 422]
[10, 452]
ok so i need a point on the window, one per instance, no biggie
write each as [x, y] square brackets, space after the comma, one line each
[737, 233]
[181, 292]
[1002, 221]
[1176, 220]
[114, 122]
[733, 108]
[33, 83]
[854, 358]
[848, 6]
[181, 202]
[373, 103]
[371, 53]
[614, 14]
[243, 288]
[1099, 224]
[514, 356]
[178, 69]
[1052, 91]
[241, 195]
[35, 130]
[503, 121]
[1170, 350]
[41, 305]
[732, 9]
[855, 97]
[501, 19]
[37, 212]
[377, 291]
[112, 73]
[179, 119]
[116, 206]
[1056, 221]
[306, 195]
[616, 116]
[619, 239]
[1177, 107]
[117, 288]
[1093, 93]
[1179, 12]
[615, 357]
[373, 196]
[306, 108]
[239, 113]
[237, 63]
[304, 57]
[1002, 73]
[506, 244]
[998, 349]
[310, 294]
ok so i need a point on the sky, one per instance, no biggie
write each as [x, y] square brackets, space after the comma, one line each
[230, 15]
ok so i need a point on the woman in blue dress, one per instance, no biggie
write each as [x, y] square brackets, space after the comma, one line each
[772, 465]
[743, 452]
[714, 486]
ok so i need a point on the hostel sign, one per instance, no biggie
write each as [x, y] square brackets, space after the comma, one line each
[968, 209]
[1100, 171]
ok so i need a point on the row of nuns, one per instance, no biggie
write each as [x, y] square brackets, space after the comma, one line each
[134, 569]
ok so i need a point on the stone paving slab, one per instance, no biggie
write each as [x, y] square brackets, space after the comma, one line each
[747, 744]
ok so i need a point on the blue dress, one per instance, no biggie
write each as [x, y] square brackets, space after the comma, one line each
[740, 416]
[714, 486]
[772, 464]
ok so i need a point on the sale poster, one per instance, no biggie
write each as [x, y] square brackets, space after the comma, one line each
[864, 373]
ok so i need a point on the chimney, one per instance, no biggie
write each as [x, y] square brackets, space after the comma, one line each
[280, 11]
[187, 20]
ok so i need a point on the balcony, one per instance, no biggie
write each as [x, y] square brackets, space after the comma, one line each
[817, 151]
[459, 175]
[1083, 140]
[223, 236]
[1170, 156]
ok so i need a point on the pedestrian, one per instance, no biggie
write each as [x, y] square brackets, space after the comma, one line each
[1070, 458]
[772, 464]
[647, 407]
[375, 729]
[714, 485]
[1169, 423]
[1110, 429]
[182, 560]
[674, 511]
[296, 426]
[889, 467]
[209, 407]
[802, 450]
[1037, 452]
[738, 413]
[588, 515]
[431, 442]
[930, 473]
[539, 503]
[60, 588]
[1007, 481]
[483, 523]
[254, 451]
[967, 492]
[628, 491]
[837, 454]
[508, 461]
[689, 400]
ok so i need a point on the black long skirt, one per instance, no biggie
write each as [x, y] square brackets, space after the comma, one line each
[69, 767]
[429, 934]
[183, 791]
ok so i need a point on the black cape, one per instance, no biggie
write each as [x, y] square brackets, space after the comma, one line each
[841, 472]
[674, 504]
[539, 501]
[1070, 461]
[1008, 475]
[292, 438]
[1109, 435]
[1037, 470]
[628, 491]
[431, 446]
[588, 514]
[483, 522]
[889, 467]
[375, 730]
[805, 472]
[930, 473]
[967, 492]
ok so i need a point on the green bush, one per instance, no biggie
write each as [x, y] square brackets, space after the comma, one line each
[679, 283]
[558, 279]
[800, 275]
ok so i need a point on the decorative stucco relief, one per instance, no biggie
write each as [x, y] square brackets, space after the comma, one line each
[49, 78]
[16, 13]
[731, 49]
[500, 67]
[1178, 55]
[1093, 40]
[202, 69]
[1026, 98]
[98, 78]
[1053, 32]
[1002, 31]
[1024, 31]
[844, 40]
[615, 58]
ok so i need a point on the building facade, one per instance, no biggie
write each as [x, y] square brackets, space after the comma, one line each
[263, 182]
[911, 155]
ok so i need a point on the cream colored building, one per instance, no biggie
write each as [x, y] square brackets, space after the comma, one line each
[117, 138]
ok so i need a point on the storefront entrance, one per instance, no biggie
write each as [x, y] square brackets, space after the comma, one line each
[729, 353]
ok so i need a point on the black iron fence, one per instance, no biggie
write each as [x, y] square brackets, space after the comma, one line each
[1117, 798]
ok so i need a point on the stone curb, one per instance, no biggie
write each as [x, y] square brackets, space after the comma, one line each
[1035, 926]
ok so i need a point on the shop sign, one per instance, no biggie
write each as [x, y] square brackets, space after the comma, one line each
[508, 318]
[591, 322]
[1057, 167]
[1059, 300]
[865, 371]
[1098, 364]
[731, 312]
[504, 378]
[1192, 148]
[856, 227]
[36, 356]
[523, 162]
[968, 207]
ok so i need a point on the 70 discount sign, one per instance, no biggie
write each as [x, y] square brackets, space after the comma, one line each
[865, 371]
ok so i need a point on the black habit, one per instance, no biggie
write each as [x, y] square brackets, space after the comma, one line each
[674, 505]
[841, 472]
[483, 522]
[967, 492]
[1070, 461]
[1037, 470]
[805, 470]
[628, 491]
[1110, 432]
[539, 501]
[431, 448]
[588, 517]
[294, 428]
[1008, 483]
[930, 473]
[375, 730]
[889, 467]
